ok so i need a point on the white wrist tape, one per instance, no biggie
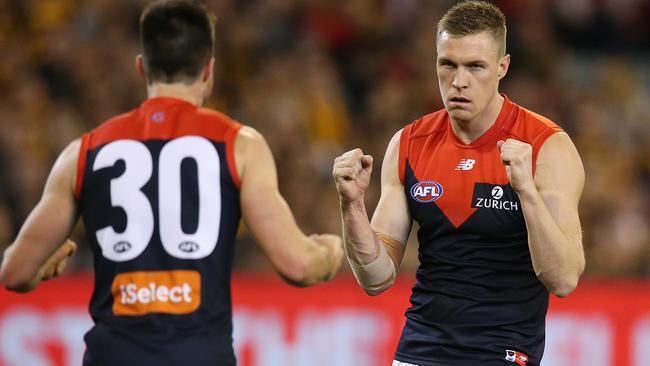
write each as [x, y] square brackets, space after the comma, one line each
[377, 274]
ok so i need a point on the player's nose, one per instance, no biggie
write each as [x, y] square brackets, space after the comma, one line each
[460, 80]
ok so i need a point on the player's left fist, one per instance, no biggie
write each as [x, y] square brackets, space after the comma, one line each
[517, 157]
[334, 244]
[55, 265]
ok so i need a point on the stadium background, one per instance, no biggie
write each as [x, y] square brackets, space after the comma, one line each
[317, 78]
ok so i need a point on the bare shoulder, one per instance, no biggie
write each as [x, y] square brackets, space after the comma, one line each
[67, 160]
[252, 150]
[559, 165]
[390, 167]
[72, 150]
[248, 137]
[63, 175]
[558, 148]
[558, 140]
[394, 141]
[249, 133]
[393, 146]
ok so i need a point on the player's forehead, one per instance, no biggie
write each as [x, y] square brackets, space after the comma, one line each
[467, 48]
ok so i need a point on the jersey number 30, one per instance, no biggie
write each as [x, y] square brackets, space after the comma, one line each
[126, 193]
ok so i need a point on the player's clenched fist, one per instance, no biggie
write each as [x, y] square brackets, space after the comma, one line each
[352, 175]
[55, 265]
[518, 161]
[335, 246]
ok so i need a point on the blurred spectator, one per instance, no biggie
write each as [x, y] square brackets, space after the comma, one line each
[319, 77]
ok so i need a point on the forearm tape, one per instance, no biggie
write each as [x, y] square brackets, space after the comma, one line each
[376, 275]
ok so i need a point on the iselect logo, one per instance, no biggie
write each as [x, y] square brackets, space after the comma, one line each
[168, 292]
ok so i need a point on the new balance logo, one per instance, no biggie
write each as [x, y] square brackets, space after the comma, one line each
[465, 164]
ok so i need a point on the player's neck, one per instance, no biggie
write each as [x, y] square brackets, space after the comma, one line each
[191, 93]
[469, 130]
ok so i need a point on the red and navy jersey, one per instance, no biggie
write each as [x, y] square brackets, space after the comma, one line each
[158, 192]
[476, 299]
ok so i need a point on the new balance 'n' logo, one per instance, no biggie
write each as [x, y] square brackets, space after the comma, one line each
[466, 164]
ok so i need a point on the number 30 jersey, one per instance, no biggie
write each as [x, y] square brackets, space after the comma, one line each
[158, 192]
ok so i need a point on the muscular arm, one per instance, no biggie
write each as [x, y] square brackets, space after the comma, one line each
[391, 221]
[40, 239]
[550, 208]
[298, 259]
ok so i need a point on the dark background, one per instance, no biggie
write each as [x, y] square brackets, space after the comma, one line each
[320, 77]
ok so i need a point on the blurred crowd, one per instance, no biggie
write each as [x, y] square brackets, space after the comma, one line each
[319, 77]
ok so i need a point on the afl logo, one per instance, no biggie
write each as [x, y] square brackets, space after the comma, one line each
[427, 191]
[497, 192]
[122, 247]
[188, 246]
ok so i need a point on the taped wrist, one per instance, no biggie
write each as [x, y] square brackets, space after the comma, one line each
[377, 274]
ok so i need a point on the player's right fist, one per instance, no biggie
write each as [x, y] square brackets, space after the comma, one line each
[335, 246]
[352, 175]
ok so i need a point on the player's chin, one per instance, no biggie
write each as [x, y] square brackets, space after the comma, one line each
[460, 114]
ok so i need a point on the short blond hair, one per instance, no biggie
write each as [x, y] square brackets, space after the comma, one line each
[472, 17]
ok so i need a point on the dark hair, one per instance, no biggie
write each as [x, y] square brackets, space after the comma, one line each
[177, 38]
[471, 17]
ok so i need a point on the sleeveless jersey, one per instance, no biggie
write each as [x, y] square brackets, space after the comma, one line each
[476, 300]
[158, 192]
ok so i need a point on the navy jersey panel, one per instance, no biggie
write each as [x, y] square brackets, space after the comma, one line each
[114, 346]
[475, 296]
[213, 317]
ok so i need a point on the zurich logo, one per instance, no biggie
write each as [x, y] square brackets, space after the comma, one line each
[497, 192]
[427, 191]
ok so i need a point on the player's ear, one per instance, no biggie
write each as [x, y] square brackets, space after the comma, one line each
[207, 78]
[504, 63]
[139, 66]
[208, 71]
